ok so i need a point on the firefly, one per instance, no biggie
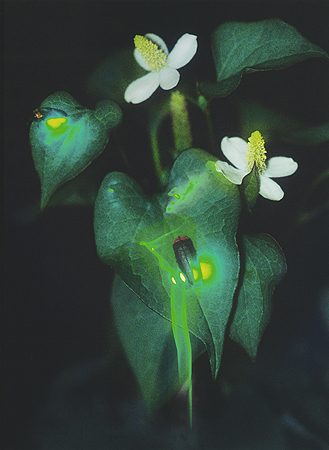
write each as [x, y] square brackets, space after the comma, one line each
[185, 254]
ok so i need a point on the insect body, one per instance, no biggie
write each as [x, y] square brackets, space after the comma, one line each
[185, 254]
[48, 112]
[37, 114]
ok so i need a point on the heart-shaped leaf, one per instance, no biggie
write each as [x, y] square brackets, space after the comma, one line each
[240, 47]
[149, 345]
[135, 235]
[65, 137]
[265, 265]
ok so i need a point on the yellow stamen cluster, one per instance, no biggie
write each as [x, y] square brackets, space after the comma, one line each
[152, 54]
[256, 153]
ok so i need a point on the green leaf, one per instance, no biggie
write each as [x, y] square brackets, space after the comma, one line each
[240, 47]
[113, 75]
[135, 234]
[255, 116]
[250, 188]
[79, 191]
[265, 266]
[67, 137]
[311, 136]
[149, 344]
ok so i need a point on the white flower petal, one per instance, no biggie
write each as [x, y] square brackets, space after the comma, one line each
[169, 78]
[141, 61]
[142, 88]
[184, 50]
[235, 150]
[280, 166]
[158, 41]
[231, 173]
[270, 189]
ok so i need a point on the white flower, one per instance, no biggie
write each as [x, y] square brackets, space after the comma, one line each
[152, 54]
[244, 155]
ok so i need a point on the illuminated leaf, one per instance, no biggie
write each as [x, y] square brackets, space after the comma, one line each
[149, 345]
[199, 203]
[67, 137]
[264, 268]
[240, 47]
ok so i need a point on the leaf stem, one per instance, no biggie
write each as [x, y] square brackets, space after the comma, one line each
[182, 339]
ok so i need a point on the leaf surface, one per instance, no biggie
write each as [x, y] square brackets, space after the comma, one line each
[149, 345]
[265, 266]
[240, 47]
[67, 137]
[135, 235]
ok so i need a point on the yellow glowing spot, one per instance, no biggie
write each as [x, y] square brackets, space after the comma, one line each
[196, 274]
[56, 122]
[173, 194]
[184, 193]
[151, 53]
[182, 277]
[111, 190]
[153, 249]
[206, 269]
[173, 280]
[256, 152]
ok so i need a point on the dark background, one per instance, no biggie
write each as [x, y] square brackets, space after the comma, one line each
[66, 382]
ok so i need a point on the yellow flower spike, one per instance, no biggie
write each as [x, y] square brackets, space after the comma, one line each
[153, 56]
[256, 152]
[180, 122]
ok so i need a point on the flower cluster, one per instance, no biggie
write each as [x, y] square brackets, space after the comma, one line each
[152, 54]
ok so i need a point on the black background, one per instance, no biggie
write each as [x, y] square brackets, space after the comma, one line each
[56, 305]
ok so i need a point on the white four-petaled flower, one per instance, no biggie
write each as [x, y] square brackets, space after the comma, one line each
[152, 54]
[244, 155]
